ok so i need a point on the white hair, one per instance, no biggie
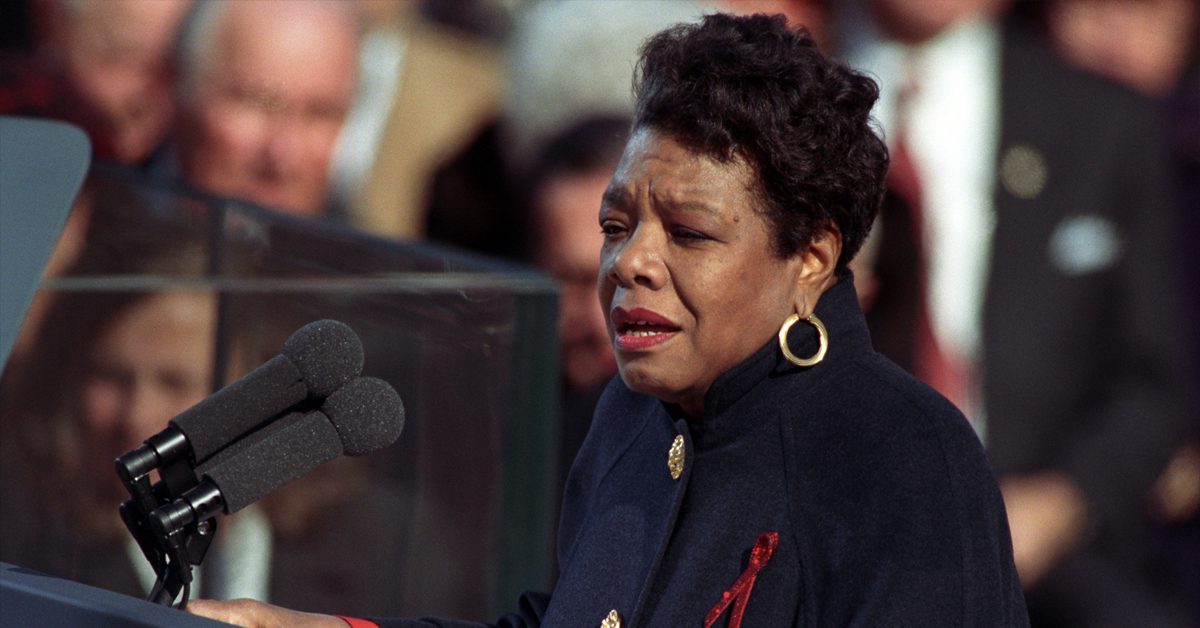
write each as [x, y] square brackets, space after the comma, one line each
[193, 49]
[570, 59]
[196, 38]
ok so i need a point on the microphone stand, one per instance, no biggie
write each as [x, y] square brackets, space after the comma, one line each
[172, 551]
[172, 544]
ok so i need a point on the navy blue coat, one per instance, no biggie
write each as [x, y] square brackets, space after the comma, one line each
[886, 510]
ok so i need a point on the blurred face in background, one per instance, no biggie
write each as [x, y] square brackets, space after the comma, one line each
[1142, 43]
[153, 361]
[915, 21]
[265, 99]
[569, 249]
[812, 14]
[115, 57]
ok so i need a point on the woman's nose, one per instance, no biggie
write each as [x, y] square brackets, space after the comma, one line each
[638, 260]
[284, 145]
[147, 411]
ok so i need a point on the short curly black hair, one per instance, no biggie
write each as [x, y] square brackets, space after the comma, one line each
[751, 87]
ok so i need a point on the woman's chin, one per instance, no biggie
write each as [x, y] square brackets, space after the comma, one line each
[642, 377]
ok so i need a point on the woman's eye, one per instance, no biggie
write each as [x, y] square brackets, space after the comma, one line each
[611, 228]
[687, 234]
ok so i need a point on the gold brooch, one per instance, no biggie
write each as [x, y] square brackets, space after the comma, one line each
[675, 458]
[612, 621]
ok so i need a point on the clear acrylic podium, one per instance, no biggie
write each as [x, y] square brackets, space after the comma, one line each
[460, 511]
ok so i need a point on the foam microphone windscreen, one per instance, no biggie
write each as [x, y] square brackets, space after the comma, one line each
[360, 417]
[283, 451]
[367, 414]
[315, 361]
[327, 353]
[222, 417]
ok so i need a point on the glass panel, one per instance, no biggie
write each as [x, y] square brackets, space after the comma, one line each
[421, 527]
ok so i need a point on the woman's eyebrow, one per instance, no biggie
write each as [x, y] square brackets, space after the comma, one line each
[614, 196]
[619, 197]
[686, 205]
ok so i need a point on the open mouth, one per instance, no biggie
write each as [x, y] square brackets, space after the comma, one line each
[643, 329]
[640, 328]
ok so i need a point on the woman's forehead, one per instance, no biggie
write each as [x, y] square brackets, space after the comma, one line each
[674, 175]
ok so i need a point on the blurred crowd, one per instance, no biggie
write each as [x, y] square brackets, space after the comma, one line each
[1036, 259]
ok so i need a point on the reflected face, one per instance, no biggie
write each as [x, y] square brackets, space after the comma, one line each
[116, 60]
[152, 362]
[265, 108]
[569, 249]
[688, 280]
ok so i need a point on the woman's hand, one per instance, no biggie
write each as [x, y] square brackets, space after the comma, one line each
[255, 614]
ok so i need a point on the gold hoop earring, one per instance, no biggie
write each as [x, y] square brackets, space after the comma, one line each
[824, 339]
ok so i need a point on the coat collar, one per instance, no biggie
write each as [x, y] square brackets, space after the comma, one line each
[848, 338]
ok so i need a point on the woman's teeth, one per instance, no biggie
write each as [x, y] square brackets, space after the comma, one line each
[641, 333]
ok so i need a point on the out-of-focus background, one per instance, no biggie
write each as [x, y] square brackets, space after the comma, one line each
[429, 171]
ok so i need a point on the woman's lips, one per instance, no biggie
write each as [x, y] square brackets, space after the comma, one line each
[639, 329]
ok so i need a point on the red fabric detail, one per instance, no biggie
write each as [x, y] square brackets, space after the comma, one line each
[903, 179]
[739, 593]
[355, 622]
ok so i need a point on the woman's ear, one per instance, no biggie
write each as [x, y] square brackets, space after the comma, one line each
[817, 265]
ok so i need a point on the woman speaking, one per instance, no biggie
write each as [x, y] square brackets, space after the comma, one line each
[756, 463]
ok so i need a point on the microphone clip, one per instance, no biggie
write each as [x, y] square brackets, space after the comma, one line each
[166, 528]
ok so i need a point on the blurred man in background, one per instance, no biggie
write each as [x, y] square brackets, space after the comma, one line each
[1152, 46]
[263, 90]
[103, 65]
[1038, 203]
[569, 176]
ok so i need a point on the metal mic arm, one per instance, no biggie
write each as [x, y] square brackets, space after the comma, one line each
[169, 452]
[163, 521]
[183, 530]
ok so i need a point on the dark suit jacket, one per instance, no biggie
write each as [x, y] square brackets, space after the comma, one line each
[1085, 367]
[886, 511]
[1085, 364]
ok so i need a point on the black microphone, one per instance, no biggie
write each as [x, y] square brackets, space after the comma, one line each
[362, 416]
[315, 361]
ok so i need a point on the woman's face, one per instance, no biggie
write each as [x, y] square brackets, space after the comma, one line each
[688, 280]
[152, 362]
